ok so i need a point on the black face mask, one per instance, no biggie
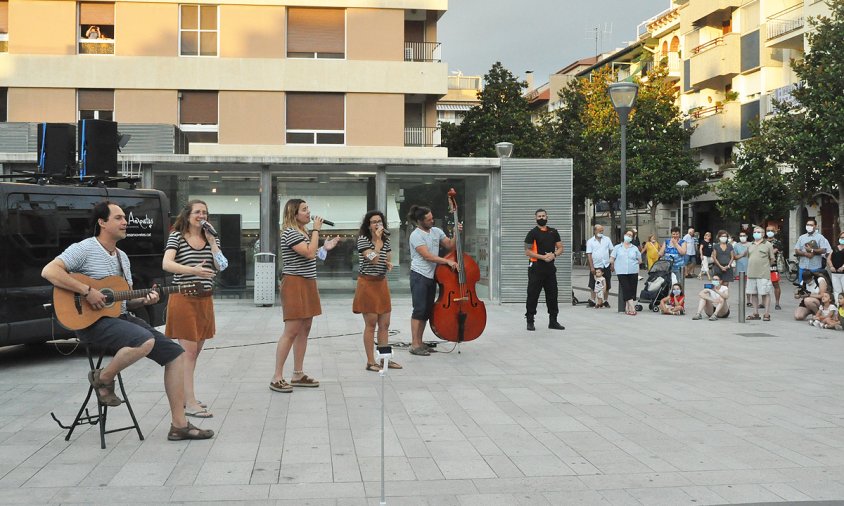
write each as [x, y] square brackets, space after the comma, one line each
[541, 222]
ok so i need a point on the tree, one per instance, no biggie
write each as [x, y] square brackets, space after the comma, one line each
[502, 116]
[758, 189]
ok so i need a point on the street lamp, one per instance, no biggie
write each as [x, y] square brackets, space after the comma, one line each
[504, 149]
[623, 96]
[681, 184]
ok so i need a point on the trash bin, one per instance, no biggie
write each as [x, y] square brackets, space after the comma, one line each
[265, 279]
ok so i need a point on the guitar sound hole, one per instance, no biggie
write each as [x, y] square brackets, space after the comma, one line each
[109, 295]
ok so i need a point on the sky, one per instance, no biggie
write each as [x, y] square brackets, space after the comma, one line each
[539, 35]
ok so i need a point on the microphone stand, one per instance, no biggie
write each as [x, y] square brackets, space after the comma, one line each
[385, 353]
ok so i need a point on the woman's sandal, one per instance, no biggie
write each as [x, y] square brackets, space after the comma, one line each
[373, 367]
[189, 432]
[304, 381]
[754, 316]
[281, 386]
[395, 365]
[107, 399]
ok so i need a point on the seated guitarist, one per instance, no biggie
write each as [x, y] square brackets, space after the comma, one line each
[128, 337]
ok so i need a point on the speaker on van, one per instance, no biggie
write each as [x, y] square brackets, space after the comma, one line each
[56, 148]
[98, 147]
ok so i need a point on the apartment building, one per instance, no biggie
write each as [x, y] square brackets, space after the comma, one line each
[462, 95]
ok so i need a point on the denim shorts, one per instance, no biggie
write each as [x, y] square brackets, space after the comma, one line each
[422, 291]
[111, 334]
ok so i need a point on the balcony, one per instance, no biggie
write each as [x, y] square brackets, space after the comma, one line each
[96, 46]
[720, 124]
[423, 51]
[785, 29]
[422, 136]
[715, 62]
[782, 94]
[669, 60]
[4, 42]
[697, 10]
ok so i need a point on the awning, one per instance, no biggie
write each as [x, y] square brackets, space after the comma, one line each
[453, 107]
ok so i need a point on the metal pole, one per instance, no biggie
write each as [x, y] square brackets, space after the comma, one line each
[742, 283]
[623, 121]
[386, 365]
[682, 279]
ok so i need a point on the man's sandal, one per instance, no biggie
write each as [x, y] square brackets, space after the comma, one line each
[281, 386]
[189, 432]
[107, 399]
[395, 365]
[373, 367]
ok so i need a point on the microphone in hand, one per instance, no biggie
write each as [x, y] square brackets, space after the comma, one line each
[207, 227]
[328, 222]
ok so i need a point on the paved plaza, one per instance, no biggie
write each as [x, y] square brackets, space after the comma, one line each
[616, 409]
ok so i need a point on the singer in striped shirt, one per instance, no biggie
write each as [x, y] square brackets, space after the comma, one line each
[193, 255]
[299, 294]
[372, 294]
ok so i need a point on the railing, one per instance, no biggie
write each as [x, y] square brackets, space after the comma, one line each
[670, 60]
[4, 42]
[96, 46]
[423, 51]
[704, 112]
[707, 45]
[786, 21]
[464, 83]
[147, 138]
[422, 136]
[782, 94]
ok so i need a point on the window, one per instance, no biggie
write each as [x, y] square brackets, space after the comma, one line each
[4, 109]
[316, 118]
[96, 28]
[4, 26]
[198, 30]
[198, 115]
[316, 33]
[96, 104]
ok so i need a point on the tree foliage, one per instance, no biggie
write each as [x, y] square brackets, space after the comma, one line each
[503, 115]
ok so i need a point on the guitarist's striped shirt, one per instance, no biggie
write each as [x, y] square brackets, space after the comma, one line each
[88, 257]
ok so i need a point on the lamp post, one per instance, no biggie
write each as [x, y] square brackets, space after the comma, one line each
[504, 149]
[623, 96]
[681, 184]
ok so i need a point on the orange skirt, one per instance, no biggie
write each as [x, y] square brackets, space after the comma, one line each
[372, 295]
[299, 297]
[190, 318]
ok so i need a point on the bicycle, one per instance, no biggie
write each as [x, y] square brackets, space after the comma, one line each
[787, 268]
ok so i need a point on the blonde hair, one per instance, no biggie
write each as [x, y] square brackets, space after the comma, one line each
[291, 209]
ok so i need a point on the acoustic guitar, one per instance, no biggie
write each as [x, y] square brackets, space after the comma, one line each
[74, 312]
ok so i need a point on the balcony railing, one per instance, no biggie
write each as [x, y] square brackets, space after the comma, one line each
[704, 112]
[4, 42]
[670, 60]
[423, 51]
[464, 83]
[96, 46]
[782, 94]
[707, 46]
[786, 21]
[422, 136]
[147, 138]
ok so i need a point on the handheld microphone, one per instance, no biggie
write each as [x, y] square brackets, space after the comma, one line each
[385, 232]
[328, 222]
[207, 226]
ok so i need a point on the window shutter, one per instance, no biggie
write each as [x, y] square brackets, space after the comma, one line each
[4, 16]
[91, 13]
[315, 111]
[96, 100]
[198, 108]
[316, 30]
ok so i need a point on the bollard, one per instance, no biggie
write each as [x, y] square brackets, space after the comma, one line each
[742, 298]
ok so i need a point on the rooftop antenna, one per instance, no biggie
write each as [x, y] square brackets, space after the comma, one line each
[598, 33]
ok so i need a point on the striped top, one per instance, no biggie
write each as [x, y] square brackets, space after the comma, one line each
[294, 263]
[188, 256]
[368, 268]
[88, 257]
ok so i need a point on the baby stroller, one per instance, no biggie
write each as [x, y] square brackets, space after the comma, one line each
[658, 284]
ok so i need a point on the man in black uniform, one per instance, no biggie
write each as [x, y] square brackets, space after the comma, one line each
[543, 245]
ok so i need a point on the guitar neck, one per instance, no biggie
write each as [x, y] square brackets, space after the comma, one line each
[136, 294]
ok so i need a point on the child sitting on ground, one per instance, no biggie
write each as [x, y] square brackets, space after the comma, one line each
[827, 315]
[600, 288]
[840, 325]
[675, 303]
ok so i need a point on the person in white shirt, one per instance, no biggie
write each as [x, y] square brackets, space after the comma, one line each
[691, 257]
[598, 249]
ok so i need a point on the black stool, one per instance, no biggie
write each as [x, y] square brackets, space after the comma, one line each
[102, 410]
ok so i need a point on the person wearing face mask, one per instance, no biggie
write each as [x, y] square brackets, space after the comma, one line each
[542, 246]
[835, 264]
[675, 303]
[675, 250]
[760, 256]
[771, 235]
[814, 286]
[810, 249]
[713, 301]
[740, 254]
[624, 260]
[598, 249]
[722, 257]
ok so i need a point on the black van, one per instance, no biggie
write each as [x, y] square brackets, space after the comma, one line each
[37, 222]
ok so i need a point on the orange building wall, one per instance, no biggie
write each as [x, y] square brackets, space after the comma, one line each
[146, 106]
[252, 31]
[374, 119]
[49, 27]
[146, 29]
[375, 34]
[251, 117]
[35, 105]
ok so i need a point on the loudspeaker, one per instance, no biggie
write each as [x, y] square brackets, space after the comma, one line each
[56, 148]
[98, 147]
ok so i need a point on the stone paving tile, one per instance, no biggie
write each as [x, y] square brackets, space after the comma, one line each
[746, 493]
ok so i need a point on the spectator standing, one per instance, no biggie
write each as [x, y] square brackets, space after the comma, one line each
[675, 250]
[705, 250]
[625, 260]
[722, 257]
[651, 250]
[835, 264]
[598, 249]
[771, 234]
[760, 254]
[810, 249]
[691, 251]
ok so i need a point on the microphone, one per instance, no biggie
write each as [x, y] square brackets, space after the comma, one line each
[207, 226]
[328, 222]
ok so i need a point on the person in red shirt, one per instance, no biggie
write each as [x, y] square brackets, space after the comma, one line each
[675, 302]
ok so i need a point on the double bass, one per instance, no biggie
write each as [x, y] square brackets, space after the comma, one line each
[458, 314]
